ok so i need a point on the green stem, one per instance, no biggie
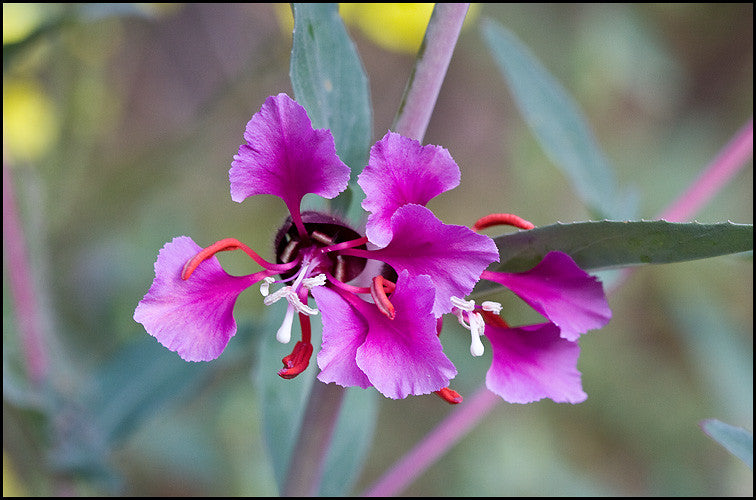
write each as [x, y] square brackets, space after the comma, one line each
[432, 62]
[309, 455]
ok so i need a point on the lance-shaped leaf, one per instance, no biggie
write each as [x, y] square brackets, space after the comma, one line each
[737, 441]
[611, 244]
[558, 125]
[329, 80]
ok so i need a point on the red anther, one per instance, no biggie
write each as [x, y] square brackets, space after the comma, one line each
[449, 395]
[296, 362]
[378, 289]
[502, 219]
[493, 319]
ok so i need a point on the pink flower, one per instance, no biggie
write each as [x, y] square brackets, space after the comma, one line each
[382, 335]
[539, 361]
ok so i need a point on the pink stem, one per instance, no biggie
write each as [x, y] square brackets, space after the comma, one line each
[435, 444]
[432, 62]
[21, 284]
[721, 170]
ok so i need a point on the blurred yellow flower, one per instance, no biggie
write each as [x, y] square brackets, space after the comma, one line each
[19, 20]
[30, 124]
[399, 27]
[12, 487]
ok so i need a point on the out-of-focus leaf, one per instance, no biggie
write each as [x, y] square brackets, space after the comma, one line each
[139, 380]
[558, 125]
[282, 401]
[283, 408]
[610, 244]
[329, 80]
[737, 441]
[351, 442]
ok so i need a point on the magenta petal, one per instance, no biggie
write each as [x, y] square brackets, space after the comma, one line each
[401, 171]
[192, 317]
[285, 157]
[404, 356]
[344, 330]
[453, 256]
[562, 292]
[533, 362]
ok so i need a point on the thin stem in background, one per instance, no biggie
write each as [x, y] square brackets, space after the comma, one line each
[721, 170]
[463, 419]
[309, 455]
[430, 68]
[21, 284]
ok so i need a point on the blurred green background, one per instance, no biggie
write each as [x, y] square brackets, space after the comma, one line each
[120, 122]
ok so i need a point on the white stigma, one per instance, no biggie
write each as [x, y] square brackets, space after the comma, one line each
[265, 285]
[473, 321]
[291, 294]
[477, 327]
[283, 334]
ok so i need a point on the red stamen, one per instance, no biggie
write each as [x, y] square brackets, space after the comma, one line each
[230, 244]
[297, 362]
[493, 319]
[502, 219]
[449, 395]
[378, 291]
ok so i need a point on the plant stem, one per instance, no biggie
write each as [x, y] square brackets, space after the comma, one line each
[721, 170]
[430, 68]
[309, 456]
[437, 442]
[21, 283]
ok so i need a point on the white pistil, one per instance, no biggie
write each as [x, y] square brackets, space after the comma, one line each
[283, 334]
[291, 294]
[473, 321]
[265, 285]
[477, 327]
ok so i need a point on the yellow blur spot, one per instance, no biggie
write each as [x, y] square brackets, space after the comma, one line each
[30, 124]
[399, 27]
[12, 487]
[19, 20]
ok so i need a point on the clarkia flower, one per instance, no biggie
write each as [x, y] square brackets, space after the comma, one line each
[382, 335]
[380, 320]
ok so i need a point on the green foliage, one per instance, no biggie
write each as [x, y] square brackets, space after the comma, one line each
[559, 126]
[611, 244]
[737, 441]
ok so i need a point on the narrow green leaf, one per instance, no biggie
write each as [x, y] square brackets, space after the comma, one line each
[558, 124]
[329, 80]
[737, 441]
[139, 380]
[610, 244]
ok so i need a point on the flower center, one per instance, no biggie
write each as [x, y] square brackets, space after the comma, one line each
[322, 231]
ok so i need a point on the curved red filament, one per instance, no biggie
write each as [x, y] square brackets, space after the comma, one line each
[378, 289]
[230, 244]
[502, 219]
